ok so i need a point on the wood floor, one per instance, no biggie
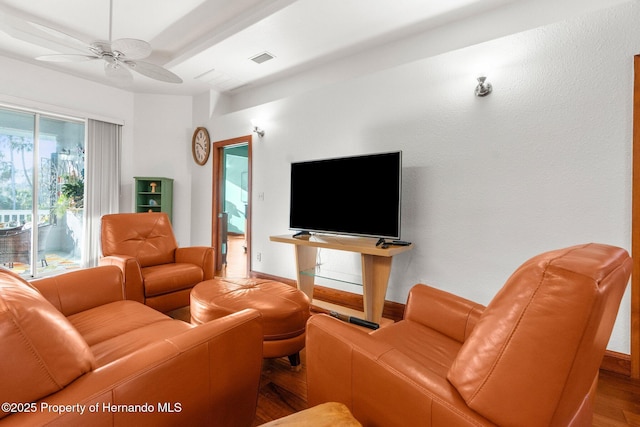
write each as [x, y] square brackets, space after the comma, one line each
[617, 401]
[236, 265]
[283, 391]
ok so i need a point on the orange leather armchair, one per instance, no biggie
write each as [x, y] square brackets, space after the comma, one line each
[156, 271]
[530, 358]
[75, 352]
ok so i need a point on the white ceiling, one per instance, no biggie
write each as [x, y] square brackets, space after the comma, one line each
[209, 43]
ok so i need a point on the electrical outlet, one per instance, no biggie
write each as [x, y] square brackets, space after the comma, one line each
[259, 256]
[261, 197]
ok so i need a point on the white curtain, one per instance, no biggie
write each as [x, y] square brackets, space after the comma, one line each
[102, 183]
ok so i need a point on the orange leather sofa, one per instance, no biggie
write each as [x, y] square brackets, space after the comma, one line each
[75, 352]
[156, 271]
[530, 358]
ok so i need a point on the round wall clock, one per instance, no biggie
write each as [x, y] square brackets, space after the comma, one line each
[200, 146]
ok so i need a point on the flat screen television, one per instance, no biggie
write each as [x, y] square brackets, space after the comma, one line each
[356, 195]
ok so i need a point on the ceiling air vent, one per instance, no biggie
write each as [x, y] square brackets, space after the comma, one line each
[262, 57]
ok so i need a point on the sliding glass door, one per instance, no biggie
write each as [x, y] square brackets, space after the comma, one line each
[41, 192]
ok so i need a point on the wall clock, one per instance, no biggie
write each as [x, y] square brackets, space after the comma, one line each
[200, 145]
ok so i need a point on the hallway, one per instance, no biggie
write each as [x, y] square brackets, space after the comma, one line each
[236, 257]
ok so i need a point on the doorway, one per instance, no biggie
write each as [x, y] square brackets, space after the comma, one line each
[231, 228]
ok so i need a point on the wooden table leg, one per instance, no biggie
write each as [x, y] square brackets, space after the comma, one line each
[306, 261]
[375, 278]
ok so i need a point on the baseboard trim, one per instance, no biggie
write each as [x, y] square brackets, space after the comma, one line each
[612, 361]
[619, 363]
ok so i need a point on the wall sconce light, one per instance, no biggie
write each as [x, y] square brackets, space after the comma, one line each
[484, 88]
[257, 127]
[259, 131]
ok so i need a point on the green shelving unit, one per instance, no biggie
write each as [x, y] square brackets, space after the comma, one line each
[154, 194]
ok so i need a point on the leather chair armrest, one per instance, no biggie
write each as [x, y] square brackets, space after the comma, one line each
[132, 275]
[81, 290]
[378, 383]
[446, 313]
[330, 345]
[208, 375]
[202, 256]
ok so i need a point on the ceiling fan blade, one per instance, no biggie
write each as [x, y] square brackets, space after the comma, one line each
[132, 48]
[59, 35]
[66, 58]
[33, 32]
[117, 72]
[154, 71]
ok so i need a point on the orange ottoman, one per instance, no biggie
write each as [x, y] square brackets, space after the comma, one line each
[284, 309]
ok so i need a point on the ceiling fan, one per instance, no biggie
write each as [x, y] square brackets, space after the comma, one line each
[119, 55]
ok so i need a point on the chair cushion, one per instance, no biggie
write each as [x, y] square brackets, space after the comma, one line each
[146, 236]
[409, 338]
[165, 278]
[117, 329]
[41, 351]
[111, 320]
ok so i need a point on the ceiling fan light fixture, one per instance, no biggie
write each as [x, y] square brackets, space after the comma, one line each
[119, 74]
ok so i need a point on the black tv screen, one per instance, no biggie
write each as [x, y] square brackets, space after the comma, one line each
[357, 195]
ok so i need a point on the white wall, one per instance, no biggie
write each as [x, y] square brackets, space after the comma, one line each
[543, 162]
[162, 135]
[201, 177]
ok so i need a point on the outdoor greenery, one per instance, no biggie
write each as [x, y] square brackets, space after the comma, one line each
[72, 195]
[12, 197]
[16, 188]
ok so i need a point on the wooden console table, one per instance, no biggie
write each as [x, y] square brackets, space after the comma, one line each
[376, 266]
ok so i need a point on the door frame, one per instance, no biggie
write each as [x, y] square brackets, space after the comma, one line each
[217, 149]
[635, 224]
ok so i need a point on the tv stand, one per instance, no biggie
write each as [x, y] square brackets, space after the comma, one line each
[376, 266]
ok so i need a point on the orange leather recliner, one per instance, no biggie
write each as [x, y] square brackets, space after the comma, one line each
[75, 352]
[156, 271]
[530, 358]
